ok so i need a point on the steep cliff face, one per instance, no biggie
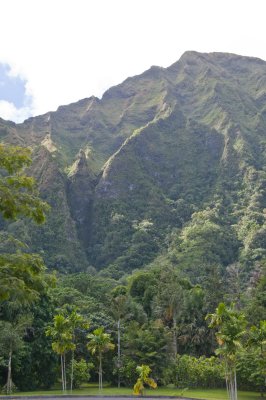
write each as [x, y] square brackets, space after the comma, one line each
[127, 175]
[169, 162]
[57, 239]
[80, 194]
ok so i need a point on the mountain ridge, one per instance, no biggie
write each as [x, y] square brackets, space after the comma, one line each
[156, 157]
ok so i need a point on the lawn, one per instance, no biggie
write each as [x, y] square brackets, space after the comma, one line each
[92, 389]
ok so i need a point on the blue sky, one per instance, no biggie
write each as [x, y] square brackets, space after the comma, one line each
[12, 88]
[62, 51]
[15, 101]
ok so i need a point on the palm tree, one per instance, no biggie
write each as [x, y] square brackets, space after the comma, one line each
[231, 329]
[100, 342]
[76, 321]
[170, 301]
[62, 341]
[144, 372]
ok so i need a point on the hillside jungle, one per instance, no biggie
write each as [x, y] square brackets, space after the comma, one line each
[148, 213]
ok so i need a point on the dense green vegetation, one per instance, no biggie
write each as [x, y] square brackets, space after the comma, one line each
[22, 275]
[157, 215]
[162, 324]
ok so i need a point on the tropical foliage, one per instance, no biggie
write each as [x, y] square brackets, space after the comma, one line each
[99, 343]
[231, 329]
[157, 219]
[143, 379]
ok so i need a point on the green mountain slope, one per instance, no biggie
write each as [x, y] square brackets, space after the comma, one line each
[168, 167]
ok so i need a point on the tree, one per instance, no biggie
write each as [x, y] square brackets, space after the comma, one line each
[11, 341]
[76, 321]
[81, 372]
[231, 329]
[256, 307]
[22, 277]
[118, 308]
[62, 337]
[147, 344]
[21, 273]
[169, 301]
[100, 342]
[257, 340]
[18, 194]
[144, 372]
[37, 353]
[193, 333]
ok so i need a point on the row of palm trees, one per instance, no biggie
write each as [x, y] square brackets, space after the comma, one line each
[231, 334]
[62, 333]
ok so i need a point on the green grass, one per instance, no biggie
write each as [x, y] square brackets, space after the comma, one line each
[92, 389]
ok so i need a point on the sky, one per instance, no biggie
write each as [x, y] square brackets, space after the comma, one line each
[55, 52]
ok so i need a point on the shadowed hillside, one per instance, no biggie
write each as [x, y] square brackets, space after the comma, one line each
[168, 167]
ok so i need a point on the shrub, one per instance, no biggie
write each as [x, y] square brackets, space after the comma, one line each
[199, 372]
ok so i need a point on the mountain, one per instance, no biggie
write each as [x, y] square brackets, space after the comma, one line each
[168, 167]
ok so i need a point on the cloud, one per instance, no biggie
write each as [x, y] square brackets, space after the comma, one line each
[16, 102]
[12, 87]
[10, 112]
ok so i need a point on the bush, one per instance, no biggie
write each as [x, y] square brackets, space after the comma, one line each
[128, 374]
[199, 372]
[81, 372]
[251, 370]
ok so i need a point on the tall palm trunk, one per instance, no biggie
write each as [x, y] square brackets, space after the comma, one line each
[235, 385]
[231, 382]
[62, 373]
[65, 384]
[100, 372]
[9, 373]
[72, 371]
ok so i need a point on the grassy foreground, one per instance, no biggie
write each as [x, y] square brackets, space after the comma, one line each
[212, 394]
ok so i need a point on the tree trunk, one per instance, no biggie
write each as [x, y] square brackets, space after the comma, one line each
[72, 371]
[227, 381]
[231, 382]
[100, 372]
[118, 351]
[65, 384]
[235, 384]
[62, 373]
[9, 373]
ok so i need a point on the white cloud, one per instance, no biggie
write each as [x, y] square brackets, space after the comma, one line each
[71, 49]
[9, 112]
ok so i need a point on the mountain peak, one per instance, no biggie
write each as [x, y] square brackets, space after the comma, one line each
[218, 58]
[181, 139]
